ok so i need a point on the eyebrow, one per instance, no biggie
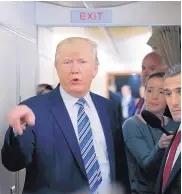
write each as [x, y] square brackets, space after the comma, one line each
[81, 58]
[67, 58]
[154, 87]
[152, 66]
[168, 90]
[179, 88]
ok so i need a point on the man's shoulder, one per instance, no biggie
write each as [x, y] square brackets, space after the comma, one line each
[36, 102]
[102, 99]
[106, 104]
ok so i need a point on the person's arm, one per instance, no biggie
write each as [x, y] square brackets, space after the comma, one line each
[17, 151]
[19, 144]
[136, 143]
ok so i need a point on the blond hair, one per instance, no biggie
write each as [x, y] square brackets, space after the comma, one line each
[72, 39]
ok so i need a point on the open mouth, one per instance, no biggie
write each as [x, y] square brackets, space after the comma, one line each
[154, 104]
[75, 81]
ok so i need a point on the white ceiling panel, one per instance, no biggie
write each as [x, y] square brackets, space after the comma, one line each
[97, 4]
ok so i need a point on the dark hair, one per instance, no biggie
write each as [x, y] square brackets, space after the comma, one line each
[174, 70]
[158, 74]
[42, 87]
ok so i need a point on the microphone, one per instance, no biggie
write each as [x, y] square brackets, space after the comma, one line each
[153, 121]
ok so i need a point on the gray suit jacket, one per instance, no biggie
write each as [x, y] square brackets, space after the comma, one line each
[143, 153]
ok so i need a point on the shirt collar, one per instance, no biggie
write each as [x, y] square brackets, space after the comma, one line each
[128, 96]
[72, 100]
[179, 129]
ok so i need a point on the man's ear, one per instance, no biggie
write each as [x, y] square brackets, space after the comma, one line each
[95, 70]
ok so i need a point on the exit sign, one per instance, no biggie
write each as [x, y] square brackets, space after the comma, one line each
[91, 16]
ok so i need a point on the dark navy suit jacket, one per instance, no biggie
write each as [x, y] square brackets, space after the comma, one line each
[50, 152]
[173, 185]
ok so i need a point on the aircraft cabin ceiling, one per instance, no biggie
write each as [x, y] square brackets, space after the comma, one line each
[115, 41]
[96, 4]
[112, 40]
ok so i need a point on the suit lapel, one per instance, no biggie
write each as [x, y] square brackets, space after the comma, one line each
[129, 104]
[164, 163]
[175, 170]
[161, 171]
[62, 117]
[105, 122]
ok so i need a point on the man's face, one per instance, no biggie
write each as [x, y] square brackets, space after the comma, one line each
[125, 91]
[172, 88]
[76, 67]
[150, 66]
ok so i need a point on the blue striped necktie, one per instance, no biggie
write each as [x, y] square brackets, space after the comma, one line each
[87, 149]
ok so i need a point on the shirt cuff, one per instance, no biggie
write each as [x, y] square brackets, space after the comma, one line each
[15, 133]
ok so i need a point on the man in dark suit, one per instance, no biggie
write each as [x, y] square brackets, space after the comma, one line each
[169, 177]
[69, 139]
[151, 63]
[128, 102]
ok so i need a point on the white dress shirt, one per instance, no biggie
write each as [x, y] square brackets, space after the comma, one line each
[125, 105]
[97, 132]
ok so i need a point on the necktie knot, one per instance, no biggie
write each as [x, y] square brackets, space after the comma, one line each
[81, 102]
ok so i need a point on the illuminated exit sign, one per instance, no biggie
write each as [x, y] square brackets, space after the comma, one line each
[91, 16]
